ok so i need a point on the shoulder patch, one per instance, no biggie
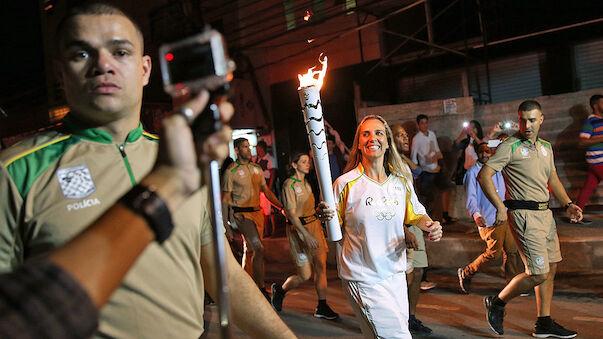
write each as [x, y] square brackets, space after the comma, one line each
[546, 144]
[25, 168]
[515, 145]
[234, 167]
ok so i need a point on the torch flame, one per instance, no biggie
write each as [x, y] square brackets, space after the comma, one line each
[308, 79]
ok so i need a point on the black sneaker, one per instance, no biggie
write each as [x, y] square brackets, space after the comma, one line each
[278, 294]
[464, 281]
[552, 330]
[585, 221]
[325, 312]
[494, 315]
[415, 326]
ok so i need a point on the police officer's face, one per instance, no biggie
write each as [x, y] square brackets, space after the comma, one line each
[401, 139]
[102, 67]
[529, 123]
[372, 141]
[303, 164]
[244, 151]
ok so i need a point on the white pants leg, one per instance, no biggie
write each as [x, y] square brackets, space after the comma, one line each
[381, 308]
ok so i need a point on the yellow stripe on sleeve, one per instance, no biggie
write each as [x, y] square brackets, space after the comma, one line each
[36, 149]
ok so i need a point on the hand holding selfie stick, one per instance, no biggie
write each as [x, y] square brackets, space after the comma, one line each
[188, 66]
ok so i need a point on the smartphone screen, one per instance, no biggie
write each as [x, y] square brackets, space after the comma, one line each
[190, 62]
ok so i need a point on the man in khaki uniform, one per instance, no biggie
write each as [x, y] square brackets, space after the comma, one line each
[56, 183]
[243, 182]
[527, 164]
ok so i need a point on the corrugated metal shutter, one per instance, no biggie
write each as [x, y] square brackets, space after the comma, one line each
[441, 85]
[589, 64]
[510, 78]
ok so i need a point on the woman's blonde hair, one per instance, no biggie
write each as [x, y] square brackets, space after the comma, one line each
[392, 162]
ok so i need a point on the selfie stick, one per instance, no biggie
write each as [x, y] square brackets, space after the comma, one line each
[222, 290]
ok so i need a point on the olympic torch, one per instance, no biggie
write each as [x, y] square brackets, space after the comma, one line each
[309, 97]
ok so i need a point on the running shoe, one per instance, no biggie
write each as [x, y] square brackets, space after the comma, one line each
[415, 326]
[427, 285]
[278, 294]
[552, 330]
[325, 312]
[464, 281]
[494, 315]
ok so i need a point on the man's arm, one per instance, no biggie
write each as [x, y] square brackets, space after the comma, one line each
[485, 180]
[472, 206]
[250, 310]
[574, 212]
[414, 151]
[413, 166]
[586, 142]
[271, 197]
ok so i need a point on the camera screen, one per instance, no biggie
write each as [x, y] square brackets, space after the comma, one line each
[190, 62]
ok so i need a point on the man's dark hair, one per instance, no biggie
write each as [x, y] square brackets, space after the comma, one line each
[594, 100]
[262, 144]
[476, 146]
[529, 105]
[238, 141]
[94, 7]
[421, 117]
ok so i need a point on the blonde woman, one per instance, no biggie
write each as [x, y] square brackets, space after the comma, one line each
[306, 239]
[375, 198]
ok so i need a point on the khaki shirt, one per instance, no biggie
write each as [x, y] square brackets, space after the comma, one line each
[526, 167]
[55, 184]
[244, 181]
[298, 196]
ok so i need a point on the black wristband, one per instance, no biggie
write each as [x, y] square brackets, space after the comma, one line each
[568, 205]
[145, 202]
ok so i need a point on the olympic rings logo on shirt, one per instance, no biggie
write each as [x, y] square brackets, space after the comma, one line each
[385, 215]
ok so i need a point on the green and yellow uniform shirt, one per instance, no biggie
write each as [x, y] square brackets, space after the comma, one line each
[298, 196]
[244, 181]
[526, 167]
[57, 183]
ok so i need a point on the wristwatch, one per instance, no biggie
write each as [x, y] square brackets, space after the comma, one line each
[144, 201]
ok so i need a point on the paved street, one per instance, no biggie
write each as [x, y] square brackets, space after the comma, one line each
[578, 305]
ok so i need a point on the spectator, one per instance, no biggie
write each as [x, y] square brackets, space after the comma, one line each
[591, 138]
[499, 239]
[425, 152]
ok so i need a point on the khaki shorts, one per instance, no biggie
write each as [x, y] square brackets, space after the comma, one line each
[256, 217]
[418, 257]
[299, 251]
[537, 240]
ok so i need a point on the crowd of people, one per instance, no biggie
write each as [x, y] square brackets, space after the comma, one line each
[106, 229]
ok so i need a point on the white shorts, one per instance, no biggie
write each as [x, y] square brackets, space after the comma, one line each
[381, 308]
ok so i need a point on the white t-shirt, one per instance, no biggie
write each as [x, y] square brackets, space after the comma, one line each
[373, 215]
[423, 148]
[470, 155]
